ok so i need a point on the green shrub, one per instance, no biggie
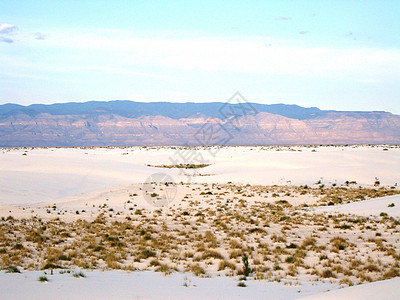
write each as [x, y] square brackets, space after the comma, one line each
[13, 269]
[246, 266]
[289, 259]
[146, 253]
[79, 275]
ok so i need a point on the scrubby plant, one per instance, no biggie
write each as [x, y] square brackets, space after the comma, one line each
[226, 264]
[197, 270]
[246, 266]
[79, 274]
[328, 273]
[241, 284]
[13, 269]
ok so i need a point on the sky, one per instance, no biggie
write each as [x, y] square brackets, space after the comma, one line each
[342, 55]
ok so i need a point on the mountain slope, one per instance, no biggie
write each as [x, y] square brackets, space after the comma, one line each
[134, 123]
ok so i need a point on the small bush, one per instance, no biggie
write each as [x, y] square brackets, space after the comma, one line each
[97, 248]
[164, 268]
[310, 241]
[146, 253]
[13, 269]
[79, 275]
[235, 253]
[246, 267]
[226, 264]
[197, 270]
[154, 263]
[346, 281]
[43, 279]
[289, 259]
[328, 274]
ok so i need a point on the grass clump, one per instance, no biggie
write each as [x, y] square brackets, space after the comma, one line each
[197, 270]
[226, 264]
[182, 166]
[164, 268]
[212, 254]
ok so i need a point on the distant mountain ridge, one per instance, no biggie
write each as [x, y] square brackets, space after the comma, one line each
[124, 122]
[133, 109]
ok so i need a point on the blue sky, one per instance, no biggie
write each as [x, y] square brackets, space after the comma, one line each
[342, 55]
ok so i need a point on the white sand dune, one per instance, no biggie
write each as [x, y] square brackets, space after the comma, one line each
[146, 285]
[371, 207]
[382, 290]
[48, 174]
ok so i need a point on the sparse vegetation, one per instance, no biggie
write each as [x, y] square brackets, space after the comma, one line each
[181, 166]
[228, 229]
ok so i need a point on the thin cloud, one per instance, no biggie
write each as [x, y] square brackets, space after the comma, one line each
[7, 28]
[283, 18]
[5, 31]
[39, 36]
[227, 54]
[6, 40]
[303, 32]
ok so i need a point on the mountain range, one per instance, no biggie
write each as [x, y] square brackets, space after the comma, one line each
[123, 122]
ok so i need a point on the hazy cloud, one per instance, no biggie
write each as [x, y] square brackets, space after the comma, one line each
[283, 18]
[303, 32]
[39, 36]
[254, 55]
[6, 40]
[6, 30]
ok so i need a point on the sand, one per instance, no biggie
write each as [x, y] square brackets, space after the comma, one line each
[44, 175]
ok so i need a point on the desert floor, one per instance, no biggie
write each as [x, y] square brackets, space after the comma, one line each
[309, 219]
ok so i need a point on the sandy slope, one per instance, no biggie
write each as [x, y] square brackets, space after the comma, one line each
[383, 290]
[145, 285]
[367, 208]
